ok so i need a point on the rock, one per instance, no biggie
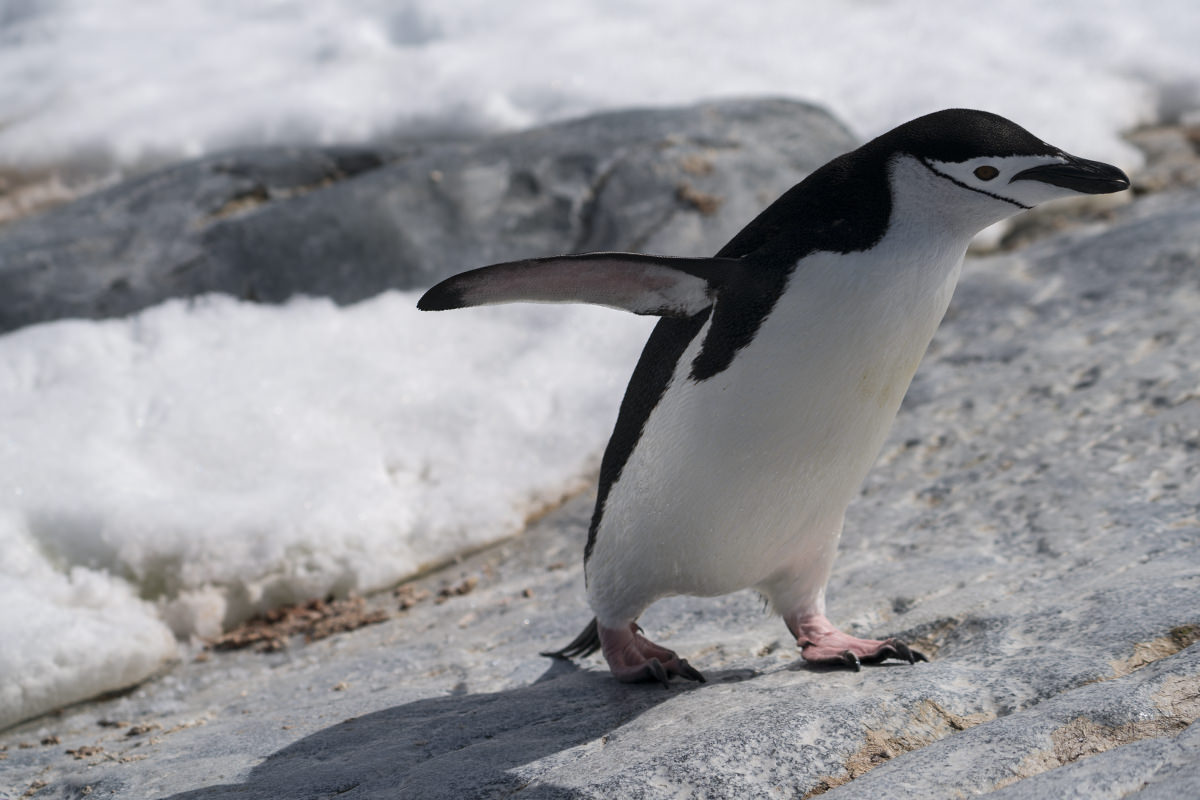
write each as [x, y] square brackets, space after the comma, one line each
[1032, 524]
[130, 246]
[349, 223]
[1172, 155]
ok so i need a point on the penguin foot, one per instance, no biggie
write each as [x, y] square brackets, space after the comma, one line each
[635, 659]
[821, 643]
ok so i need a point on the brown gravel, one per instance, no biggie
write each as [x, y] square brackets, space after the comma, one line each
[314, 620]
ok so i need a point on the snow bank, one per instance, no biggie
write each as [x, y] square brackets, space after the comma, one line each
[68, 633]
[124, 82]
[217, 458]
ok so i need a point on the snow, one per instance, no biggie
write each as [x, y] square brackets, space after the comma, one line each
[126, 82]
[166, 475]
[68, 634]
[217, 458]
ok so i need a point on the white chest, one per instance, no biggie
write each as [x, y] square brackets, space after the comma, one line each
[808, 403]
[753, 467]
[742, 479]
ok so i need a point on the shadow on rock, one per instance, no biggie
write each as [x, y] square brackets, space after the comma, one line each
[469, 745]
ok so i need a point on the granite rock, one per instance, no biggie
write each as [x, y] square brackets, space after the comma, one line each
[347, 223]
[1033, 524]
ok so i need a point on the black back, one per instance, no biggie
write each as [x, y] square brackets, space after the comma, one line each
[843, 207]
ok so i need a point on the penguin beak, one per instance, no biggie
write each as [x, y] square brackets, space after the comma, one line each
[1078, 175]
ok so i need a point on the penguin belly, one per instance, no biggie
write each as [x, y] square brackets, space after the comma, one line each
[742, 479]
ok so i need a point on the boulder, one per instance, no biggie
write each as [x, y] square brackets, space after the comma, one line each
[348, 223]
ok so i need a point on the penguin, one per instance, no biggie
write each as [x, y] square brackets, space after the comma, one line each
[768, 386]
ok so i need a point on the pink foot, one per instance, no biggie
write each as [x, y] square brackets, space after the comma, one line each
[821, 643]
[633, 658]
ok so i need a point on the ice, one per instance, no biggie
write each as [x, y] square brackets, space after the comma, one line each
[217, 458]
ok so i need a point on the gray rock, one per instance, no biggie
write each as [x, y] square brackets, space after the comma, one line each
[1032, 524]
[132, 245]
[348, 223]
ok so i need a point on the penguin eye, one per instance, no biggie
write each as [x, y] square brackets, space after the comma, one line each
[986, 172]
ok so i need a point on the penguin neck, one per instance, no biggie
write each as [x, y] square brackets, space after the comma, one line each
[927, 204]
[914, 265]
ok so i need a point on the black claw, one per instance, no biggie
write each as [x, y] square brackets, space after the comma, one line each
[686, 670]
[851, 660]
[659, 672]
[903, 651]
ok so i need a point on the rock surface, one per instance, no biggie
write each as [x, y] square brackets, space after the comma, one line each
[1032, 524]
[349, 223]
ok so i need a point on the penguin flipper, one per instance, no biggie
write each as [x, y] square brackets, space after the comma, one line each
[654, 285]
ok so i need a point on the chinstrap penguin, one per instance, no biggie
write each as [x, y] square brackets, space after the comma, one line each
[766, 390]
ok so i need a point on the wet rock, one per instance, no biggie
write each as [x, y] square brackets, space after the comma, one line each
[347, 223]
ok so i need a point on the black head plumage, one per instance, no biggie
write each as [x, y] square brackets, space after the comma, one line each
[960, 134]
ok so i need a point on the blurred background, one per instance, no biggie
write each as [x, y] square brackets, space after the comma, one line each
[89, 89]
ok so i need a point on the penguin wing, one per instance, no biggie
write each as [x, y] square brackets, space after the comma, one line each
[655, 285]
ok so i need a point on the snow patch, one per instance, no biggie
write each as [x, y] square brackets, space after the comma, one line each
[218, 458]
[125, 83]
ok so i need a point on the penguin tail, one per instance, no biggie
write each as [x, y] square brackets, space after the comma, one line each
[584, 644]
[643, 284]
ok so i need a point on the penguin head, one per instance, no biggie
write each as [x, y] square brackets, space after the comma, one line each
[993, 168]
